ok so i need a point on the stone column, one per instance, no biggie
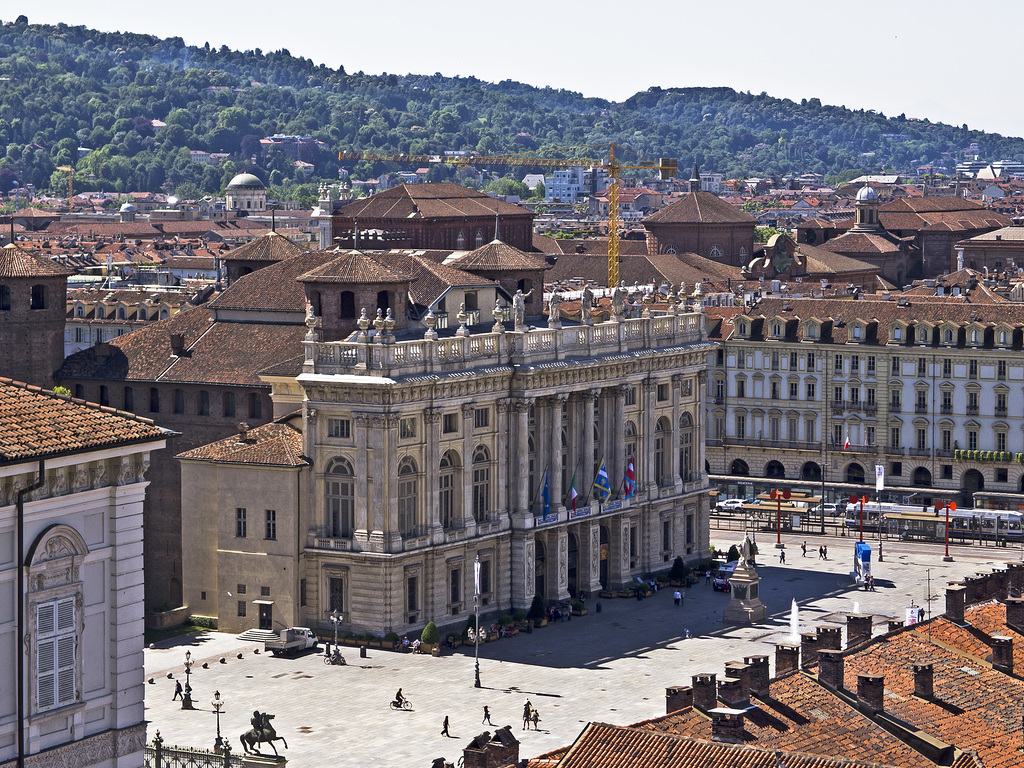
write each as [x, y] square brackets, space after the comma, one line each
[616, 430]
[648, 389]
[522, 457]
[466, 508]
[699, 437]
[362, 478]
[376, 518]
[542, 421]
[555, 425]
[502, 502]
[432, 438]
[523, 586]
[587, 427]
[389, 488]
[562, 537]
[573, 457]
[588, 568]
[673, 452]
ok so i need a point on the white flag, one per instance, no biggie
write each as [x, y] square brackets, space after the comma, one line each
[476, 576]
[879, 476]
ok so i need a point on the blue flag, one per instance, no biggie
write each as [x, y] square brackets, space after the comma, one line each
[602, 488]
[545, 495]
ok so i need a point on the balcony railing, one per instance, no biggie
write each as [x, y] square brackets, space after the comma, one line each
[947, 409]
[796, 445]
[920, 452]
[1000, 411]
[972, 410]
[921, 408]
[895, 408]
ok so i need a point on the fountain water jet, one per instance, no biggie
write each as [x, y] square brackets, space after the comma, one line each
[794, 623]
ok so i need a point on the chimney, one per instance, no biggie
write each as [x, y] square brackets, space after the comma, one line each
[924, 681]
[955, 603]
[870, 690]
[1002, 653]
[759, 675]
[733, 693]
[739, 671]
[1015, 613]
[177, 344]
[727, 725]
[895, 624]
[830, 669]
[705, 691]
[858, 629]
[1015, 579]
[243, 433]
[677, 698]
[830, 638]
[787, 658]
[808, 649]
[487, 751]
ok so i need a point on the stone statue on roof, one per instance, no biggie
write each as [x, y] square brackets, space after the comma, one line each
[519, 307]
[554, 306]
[619, 298]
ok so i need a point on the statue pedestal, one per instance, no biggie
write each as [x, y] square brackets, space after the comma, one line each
[745, 606]
[263, 761]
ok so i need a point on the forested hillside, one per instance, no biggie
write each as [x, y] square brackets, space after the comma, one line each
[63, 87]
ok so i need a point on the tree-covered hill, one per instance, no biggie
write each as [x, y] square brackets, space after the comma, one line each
[62, 88]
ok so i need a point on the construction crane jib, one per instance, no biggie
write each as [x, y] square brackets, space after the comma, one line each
[666, 167]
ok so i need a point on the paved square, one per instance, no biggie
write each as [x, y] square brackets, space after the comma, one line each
[611, 666]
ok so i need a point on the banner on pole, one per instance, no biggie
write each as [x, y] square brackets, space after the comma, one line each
[879, 476]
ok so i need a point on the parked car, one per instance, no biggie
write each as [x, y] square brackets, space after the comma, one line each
[832, 510]
[731, 504]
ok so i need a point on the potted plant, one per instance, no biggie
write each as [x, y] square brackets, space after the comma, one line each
[536, 613]
[507, 622]
[677, 573]
[578, 609]
[520, 620]
[429, 637]
[391, 640]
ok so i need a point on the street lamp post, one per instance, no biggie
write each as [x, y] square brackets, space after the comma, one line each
[217, 703]
[476, 613]
[949, 505]
[336, 619]
[186, 698]
[777, 496]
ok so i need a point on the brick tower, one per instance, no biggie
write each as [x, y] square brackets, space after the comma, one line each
[33, 293]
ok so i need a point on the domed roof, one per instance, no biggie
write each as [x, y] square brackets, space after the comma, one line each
[127, 208]
[246, 181]
[867, 192]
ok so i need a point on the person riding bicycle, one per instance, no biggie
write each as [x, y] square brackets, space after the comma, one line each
[399, 698]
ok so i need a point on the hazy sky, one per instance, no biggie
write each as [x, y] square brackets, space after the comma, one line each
[938, 59]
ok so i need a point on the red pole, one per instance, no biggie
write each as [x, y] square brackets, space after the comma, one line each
[778, 517]
[947, 531]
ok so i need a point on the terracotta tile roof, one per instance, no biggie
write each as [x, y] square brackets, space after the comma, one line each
[497, 255]
[610, 746]
[35, 423]
[429, 201]
[596, 246]
[860, 242]
[353, 267]
[700, 208]
[16, 261]
[430, 279]
[93, 229]
[675, 268]
[277, 444]
[821, 260]
[274, 288]
[272, 247]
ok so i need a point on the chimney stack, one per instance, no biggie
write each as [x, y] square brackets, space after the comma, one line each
[733, 693]
[830, 638]
[727, 725]
[1002, 653]
[243, 432]
[177, 344]
[808, 649]
[830, 669]
[1015, 613]
[787, 658]
[759, 676]
[924, 681]
[1015, 579]
[955, 603]
[895, 624]
[870, 691]
[677, 698]
[487, 751]
[858, 629]
[705, 691]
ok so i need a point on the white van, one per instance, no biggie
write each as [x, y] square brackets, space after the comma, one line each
[720, 581]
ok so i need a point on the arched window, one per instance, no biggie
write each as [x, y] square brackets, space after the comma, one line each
[315, 303]
[121, 313]
[346, 304]
[408, 497]
[79, 309]
[660, 436]
[383, 302]
[255, 405]
[629, 435]
[686, 448]
[481, 483]
[479, 238]
[38, 297]
[229, 404]
[460, 242]
[446, 484]
[142, 314]
[5, 298]
[339, 493]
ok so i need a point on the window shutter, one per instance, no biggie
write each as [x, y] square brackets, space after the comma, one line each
[66, 615]
[66, 670]
[45, 619]
[45, 675]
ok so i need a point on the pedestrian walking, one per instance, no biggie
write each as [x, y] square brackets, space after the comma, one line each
[682, 596]
[677, 598]
[782, 556]
[871, 583]
[821, 552]
[536, 719]
[444, 727]
[177, 690]
[487, 716]
[686, 634]
[527, 711]
[707, 577]
[824, 551]
[803, 548]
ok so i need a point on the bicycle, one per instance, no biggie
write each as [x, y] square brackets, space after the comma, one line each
[405, 705]
[336, 659]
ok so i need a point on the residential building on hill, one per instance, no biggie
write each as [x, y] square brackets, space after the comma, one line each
[72, 483]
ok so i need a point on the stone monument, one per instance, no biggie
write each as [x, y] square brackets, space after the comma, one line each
[745, 606]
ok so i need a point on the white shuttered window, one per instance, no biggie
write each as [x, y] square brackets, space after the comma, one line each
[55, 655]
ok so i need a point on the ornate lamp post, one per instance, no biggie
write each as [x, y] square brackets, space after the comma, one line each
[777, 496]
[476, 613]
[217, 703]
[186, 699]
[336, 619]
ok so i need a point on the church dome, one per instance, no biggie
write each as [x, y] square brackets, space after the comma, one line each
[868, 193]
[127, 208]
[246, 181]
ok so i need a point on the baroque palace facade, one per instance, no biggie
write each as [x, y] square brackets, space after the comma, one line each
[814, 393]
[412, 458]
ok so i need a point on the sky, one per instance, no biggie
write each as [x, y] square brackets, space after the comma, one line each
[943, 60]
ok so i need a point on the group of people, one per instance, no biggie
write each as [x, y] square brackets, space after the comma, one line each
[822, 551]
[530, 715]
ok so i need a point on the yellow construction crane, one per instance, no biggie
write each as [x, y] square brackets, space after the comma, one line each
[71, 185]
[665, 166]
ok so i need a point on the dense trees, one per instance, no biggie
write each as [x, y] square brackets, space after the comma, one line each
[74, 96]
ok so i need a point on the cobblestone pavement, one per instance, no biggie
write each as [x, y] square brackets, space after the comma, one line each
[611, 666]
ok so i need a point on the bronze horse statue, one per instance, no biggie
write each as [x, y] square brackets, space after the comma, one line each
[262, 732]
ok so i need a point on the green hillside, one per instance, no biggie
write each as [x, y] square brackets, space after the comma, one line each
[63, 87]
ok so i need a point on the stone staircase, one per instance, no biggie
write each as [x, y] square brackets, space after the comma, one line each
[258, 635]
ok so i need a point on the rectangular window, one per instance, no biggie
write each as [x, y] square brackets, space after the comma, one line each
[972, 439]
[792, 361]
[810, 361]
[630, 396]
[837, 435]
[947, 471]
[947, 369]
[894, 366]
[894, 437]
[485, 577]
[55, 654]
[855, 396]
[412, 594]
[339, 429]
[897, 469]
[741, 427]
[481, 418]
[154, 400]
[922, 401]
[947, 439]
[450, 423]
[240, 522]
[837, 395]
[264, 591]
[794, 390]
[922, 366]
[775, 390]
[741, 388]
[634, 546]
[972, 369]
[837, 365]
[240, 589]
[921, 438]
[204, 403]
[854, 364]
[810, 432]
[1000, 441]
[871, 365]
[1000, 404]
[255, 405]
[179, 400]
[870, 394]
[229, 405]
[947, 402]
[302, 592]
[335, 594]
[895, 400]
[775, 361]
[271, 525]
[869, 435]
[1001, 369]
[811, 390]
[129, 399]
[662, 393]
[455, 585]
[241, 608]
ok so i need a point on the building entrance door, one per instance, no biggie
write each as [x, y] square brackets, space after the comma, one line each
[266, 616]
